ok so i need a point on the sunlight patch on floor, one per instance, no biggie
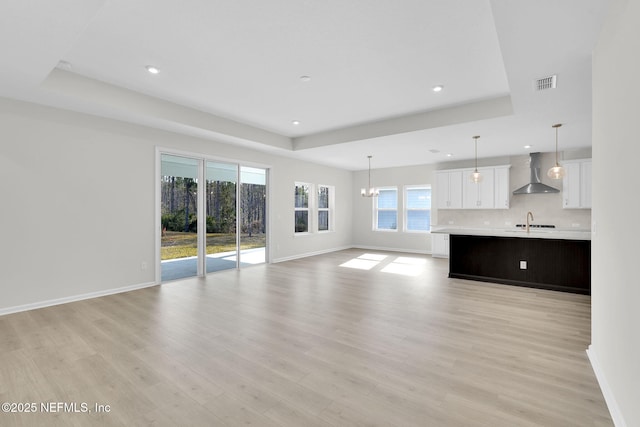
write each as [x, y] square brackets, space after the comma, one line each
[406, 266]
[364, 261]
[402, 265]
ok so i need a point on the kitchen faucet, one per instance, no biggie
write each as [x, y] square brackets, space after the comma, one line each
[529, 214]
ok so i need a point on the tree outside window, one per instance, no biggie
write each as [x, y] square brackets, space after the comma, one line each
[301, 211]
[324, 207]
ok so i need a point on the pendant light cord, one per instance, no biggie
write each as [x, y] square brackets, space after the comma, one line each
[475, 139]
[476, 153]
[557, 126]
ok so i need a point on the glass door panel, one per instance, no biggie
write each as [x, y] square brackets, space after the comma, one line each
[220, 203]
[253, 210]
[179, 217]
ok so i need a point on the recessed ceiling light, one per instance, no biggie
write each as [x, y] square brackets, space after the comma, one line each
[305, 78]
[295, 122]
[528, 146]
[449, 155]
[152, 69]
[438, 88]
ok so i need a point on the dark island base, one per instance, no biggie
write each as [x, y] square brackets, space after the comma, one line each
[559, 265]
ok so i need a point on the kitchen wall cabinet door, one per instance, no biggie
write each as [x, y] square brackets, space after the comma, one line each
[439, 245]
[449, 189]
[576, 184]
[502, 193]
[478, 195]
[585, 185]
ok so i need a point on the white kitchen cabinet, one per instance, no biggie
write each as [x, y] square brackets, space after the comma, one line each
[576, 184]
[585, 185]
[571, 185]
[449, 189]
[478, 195]
[502, 193]
[439, 245]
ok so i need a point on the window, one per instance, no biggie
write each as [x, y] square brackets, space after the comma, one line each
[386, 209]
[302, 207]
[313, 208]
[417, 213]
[325, 208]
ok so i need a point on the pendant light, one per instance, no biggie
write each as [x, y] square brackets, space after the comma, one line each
[475, 176]
[556, 172]
[370, 191]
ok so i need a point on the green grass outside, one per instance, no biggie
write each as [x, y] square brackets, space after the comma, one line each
[181, 245]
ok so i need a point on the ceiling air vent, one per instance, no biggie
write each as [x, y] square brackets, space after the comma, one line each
[546, 83]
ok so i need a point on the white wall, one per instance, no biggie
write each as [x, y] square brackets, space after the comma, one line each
[615, 348]
[546, 208]
[363, 234]
[287, 245]
[78, 202]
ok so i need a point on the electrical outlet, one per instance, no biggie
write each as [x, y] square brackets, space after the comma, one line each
[143, 265]
[523, 265]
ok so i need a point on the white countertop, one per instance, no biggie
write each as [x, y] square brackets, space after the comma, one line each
[535, 233]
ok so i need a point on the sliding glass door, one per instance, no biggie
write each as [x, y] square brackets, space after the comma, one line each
[179, 217]
[209, 222]
[253, 219]
[221, 205]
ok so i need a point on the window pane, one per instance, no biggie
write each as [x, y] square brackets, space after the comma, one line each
[179, 216]
[388, 199]
[302, 221]
[323, 221]
[419, 198]
[419, 220]
[253, 215]
[387, 220]
[323, 197]
[302, 196]
[220, 206]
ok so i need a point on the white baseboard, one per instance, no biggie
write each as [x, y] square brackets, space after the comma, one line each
[58, 301]
[614, 410]
[308, 254]
[381, 248]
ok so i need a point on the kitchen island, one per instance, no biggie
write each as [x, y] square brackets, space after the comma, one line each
[548, 259]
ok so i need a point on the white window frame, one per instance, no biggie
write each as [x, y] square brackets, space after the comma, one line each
[330, 210]
[406, 208]
[376, 210]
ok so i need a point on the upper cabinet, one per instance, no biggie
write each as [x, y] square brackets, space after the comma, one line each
[576, 184]
[455, 190]
[502, 195]
[449, 189]
[478, 195]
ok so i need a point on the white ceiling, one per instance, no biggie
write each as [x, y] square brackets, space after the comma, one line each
[230, 71]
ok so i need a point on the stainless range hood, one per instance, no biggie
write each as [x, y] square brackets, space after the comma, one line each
[535, 186]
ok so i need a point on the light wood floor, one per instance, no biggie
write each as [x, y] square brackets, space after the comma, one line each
[309, 343]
